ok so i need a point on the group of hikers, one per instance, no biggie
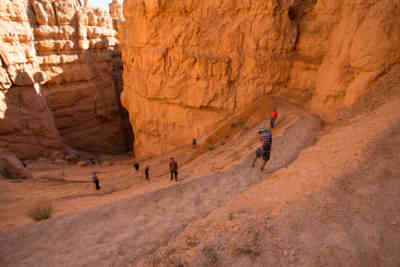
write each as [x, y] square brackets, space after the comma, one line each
[146, 170]
[173, 168]
[263, 152]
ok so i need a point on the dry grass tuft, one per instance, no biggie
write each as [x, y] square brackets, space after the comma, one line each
[41, 210]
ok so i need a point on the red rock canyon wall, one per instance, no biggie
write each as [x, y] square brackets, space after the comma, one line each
[189, 65]
[58, 61]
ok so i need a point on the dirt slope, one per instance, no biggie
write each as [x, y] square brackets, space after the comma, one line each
[336, 205]
[126, 231]
[70, 189]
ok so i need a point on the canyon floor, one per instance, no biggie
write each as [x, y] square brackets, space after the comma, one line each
[328, 197]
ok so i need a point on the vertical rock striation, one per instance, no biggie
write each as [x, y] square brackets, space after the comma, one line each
[62, 55]
[344, 46]
[27, 127]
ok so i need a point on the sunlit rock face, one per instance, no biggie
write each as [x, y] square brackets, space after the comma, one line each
[115, 8]
[190, 65]
[344, 46]
[57, 71]
[27, 126]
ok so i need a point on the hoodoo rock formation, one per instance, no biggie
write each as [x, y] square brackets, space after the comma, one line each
[189, 65]
[59, 70]
[115, 10]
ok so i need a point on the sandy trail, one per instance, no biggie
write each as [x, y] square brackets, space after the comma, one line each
[124, 232]
[335, 205]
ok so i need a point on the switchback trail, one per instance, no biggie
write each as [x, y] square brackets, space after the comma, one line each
[123, 232]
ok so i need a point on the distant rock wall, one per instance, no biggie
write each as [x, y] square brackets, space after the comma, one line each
[56, 79]
[343, 47]
[189, 65]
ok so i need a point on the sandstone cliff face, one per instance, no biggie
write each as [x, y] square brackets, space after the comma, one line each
[344, 46]
[27, 127]
[57, 75]
[189, 65]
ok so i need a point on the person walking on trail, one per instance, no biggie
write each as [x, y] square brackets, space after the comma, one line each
[265, 150]
[194, 143]
[273, 116]
[146, 173]
[96, 180]
[173, 168]
[136, 166]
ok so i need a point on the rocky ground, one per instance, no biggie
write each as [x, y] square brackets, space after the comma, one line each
[331, 204]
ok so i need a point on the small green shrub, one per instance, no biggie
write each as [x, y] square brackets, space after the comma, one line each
[223, 142]
[250, 247]
[251, 251]
[211, 147]
[41, 210]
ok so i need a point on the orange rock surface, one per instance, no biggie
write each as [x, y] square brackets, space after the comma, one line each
[190, 65]
[59, 79]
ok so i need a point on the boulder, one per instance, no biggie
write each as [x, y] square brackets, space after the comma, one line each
[12, 167]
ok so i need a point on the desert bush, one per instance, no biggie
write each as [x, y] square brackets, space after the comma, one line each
[164, 260]
[249, 246]
[248, 250]
[211, 147]
[41, 210]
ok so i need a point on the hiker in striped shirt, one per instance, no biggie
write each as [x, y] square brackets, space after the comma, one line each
[265, 150]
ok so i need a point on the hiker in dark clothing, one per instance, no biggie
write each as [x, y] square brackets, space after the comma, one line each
[194, 143]
[265, 150]
[136, 166]
[291, 13]
[273, 116]
[96, 181]
[173, 168]
[146, 172]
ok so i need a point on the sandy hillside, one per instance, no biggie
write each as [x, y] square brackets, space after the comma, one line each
[70, 189]
[336, 205]
[149, 215]
[327, 198]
